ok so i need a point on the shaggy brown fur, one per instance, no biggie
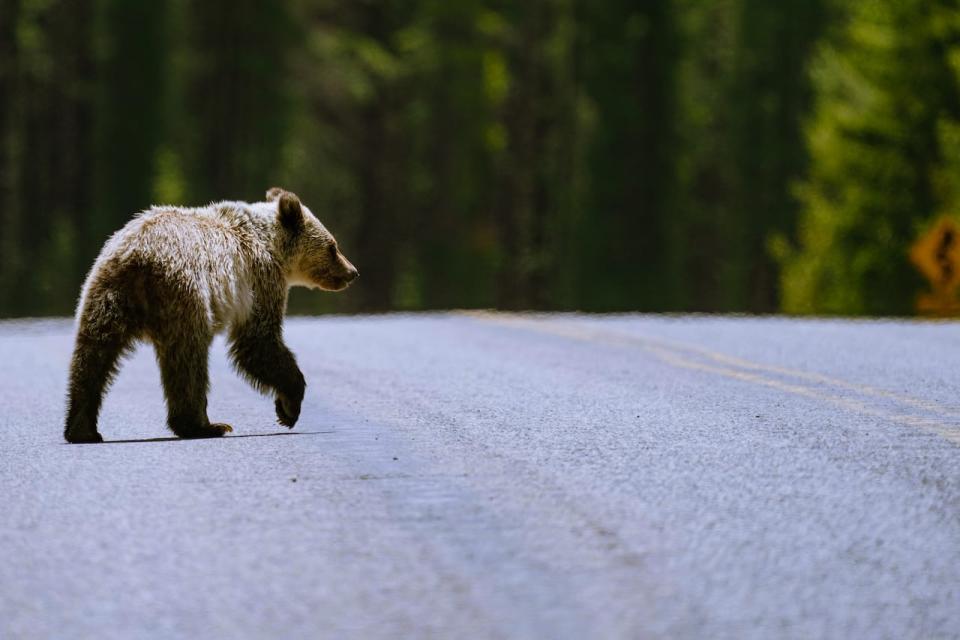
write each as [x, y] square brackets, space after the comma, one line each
[175, 277]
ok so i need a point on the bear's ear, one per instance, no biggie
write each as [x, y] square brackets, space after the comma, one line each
[289, 211]
[273, 193]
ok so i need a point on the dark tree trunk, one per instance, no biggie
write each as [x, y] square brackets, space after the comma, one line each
[238, 97]
[9, 219]
[517, 210]
[378, 234]
[53, 147]
[132, 97]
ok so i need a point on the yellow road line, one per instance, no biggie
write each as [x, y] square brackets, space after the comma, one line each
[932, 426]
[674, 353]
[818, 378]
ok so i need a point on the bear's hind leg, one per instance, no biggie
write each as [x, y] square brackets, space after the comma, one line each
[102, 338]
[183, 370]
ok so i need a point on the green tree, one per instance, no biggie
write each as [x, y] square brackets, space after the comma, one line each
[350, 151]
[130, 114]
[459, 84]
[533, 178]
[769, 96]
[48, 145]
[11, 262]
[627, 57]
[742, 95]
[234, 112]
[886, 94]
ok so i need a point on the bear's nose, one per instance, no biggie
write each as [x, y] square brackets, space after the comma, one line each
[352, 273]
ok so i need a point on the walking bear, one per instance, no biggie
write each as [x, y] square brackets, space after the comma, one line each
[175, 277]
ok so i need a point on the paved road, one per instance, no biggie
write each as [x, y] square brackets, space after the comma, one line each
[498, 476]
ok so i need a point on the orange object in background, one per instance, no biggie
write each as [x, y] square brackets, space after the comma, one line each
[936, 254]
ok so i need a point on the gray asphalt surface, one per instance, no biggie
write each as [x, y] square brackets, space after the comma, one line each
[499, 476]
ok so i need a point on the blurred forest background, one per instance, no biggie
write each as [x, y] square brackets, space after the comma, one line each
[658, 155]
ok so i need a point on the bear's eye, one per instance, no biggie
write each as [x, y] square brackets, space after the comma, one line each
[333, 251]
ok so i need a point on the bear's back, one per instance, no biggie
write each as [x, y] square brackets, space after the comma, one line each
[212, 257]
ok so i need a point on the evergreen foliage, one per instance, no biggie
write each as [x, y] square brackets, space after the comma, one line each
[880, 141]
[670, 155]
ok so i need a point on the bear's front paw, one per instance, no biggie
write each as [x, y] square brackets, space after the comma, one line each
[288, 410]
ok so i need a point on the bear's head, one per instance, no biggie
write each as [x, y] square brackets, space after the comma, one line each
[312, 256]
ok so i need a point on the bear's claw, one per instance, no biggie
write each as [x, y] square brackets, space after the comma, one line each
[283, 417]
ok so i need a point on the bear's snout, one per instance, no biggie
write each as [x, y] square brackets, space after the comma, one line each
[348, 272]
[347, 278]
[336, 279]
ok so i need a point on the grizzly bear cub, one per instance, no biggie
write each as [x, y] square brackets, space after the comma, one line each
[175, 277]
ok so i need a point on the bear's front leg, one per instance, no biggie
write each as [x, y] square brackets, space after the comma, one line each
[260, 355]
[183, 369]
